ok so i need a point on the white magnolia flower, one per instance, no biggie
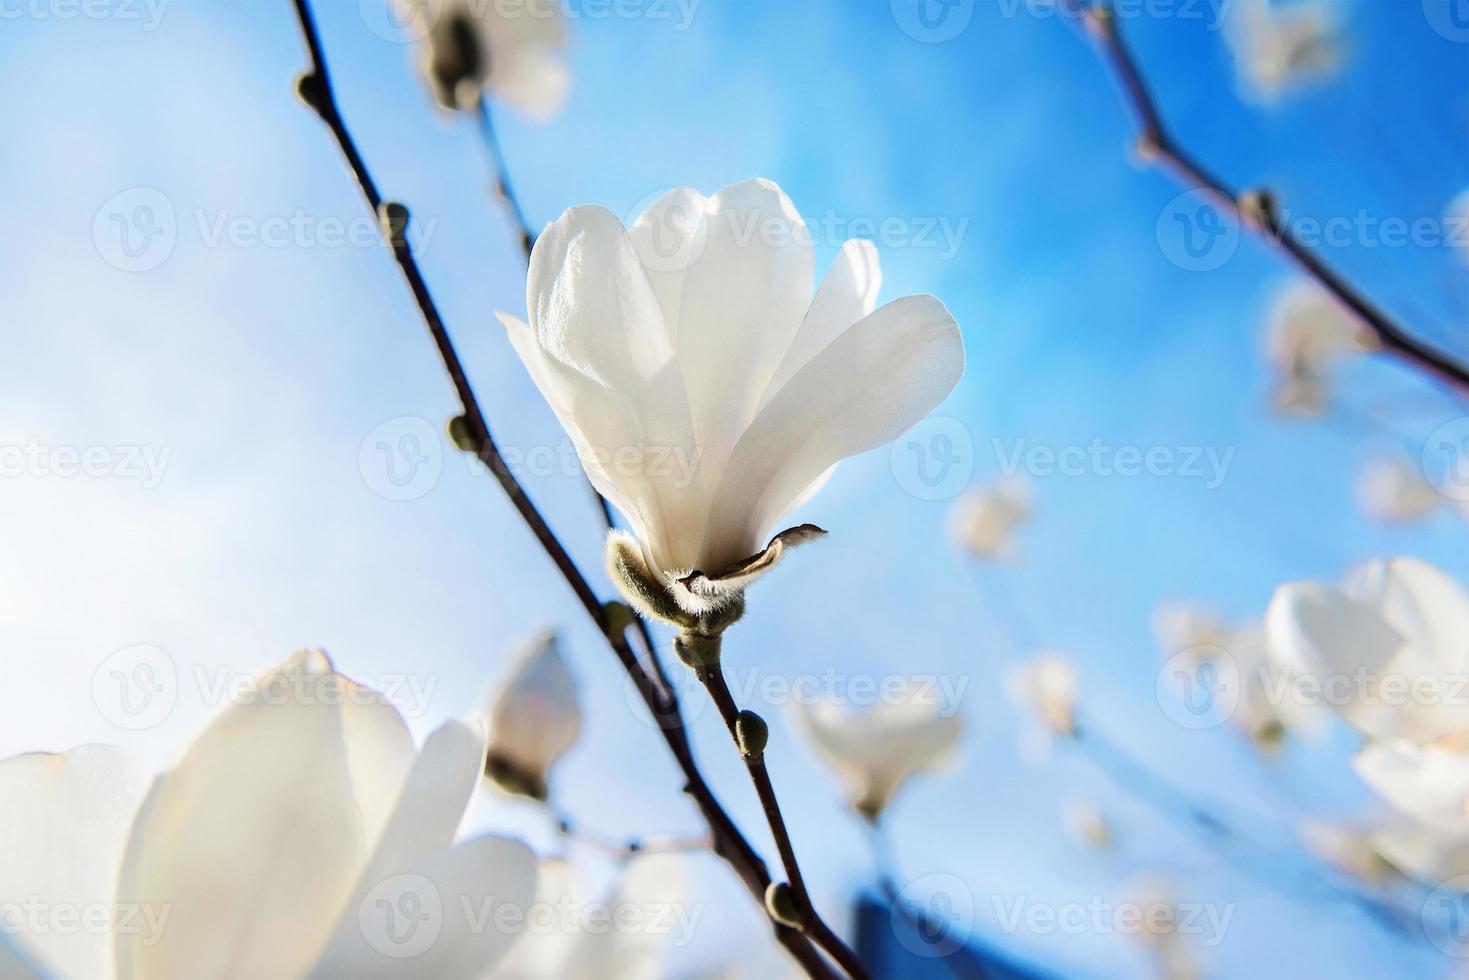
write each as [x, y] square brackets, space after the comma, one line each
[707, 392]
[874, 751]
[1278, 47]
[1389, 652]
[512, 51]
[534, 718]
[1085, 824]
[1186, 626]
[1045, 685]
[1309, 329]
[983, 522]
[299, 836]
[1396, 491]
[570, 939]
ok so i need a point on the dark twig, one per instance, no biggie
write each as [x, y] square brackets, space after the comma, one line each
[315, 89]
[1256, 209]
[712, 677]
[505, 192]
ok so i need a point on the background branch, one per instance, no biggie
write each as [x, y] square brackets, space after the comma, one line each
[1255, 209]
[315, 88]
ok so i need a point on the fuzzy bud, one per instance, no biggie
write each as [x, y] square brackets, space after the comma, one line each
[311, 90]
[392, 217]
[617, 618]
[462, 436]
[781, 904]
[752, 733]
[639, 586]
[698, 650]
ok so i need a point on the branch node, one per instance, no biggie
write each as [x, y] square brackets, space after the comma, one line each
[752, 733]
[393, 218]
[781, 905]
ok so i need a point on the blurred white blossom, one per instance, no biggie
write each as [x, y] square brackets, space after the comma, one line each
[983, 521]
[875, 750]
[1171, 950]
[1309, 330]
[1278, 47]
[1085, 824]
[512, 51]
[1390, 644]
[1394, 490]
[620, 935]
[1045, 687]
[1181, 626]
[534, 718]
[707, 392]
[295, 822]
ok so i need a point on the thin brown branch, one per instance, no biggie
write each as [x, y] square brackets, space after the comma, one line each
[315, 88]
[712, 677]
[1255, 209]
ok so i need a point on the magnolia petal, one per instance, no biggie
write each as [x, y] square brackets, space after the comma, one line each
[63, 825]
[258, 835]
[536, 81]
[865, 389]
[1428, 784]
[606, 349]
[704, 589]
[534, 717]
[741, 302]
[1421, 603]
[875, 751]
[435, 915]
[1315, 630]
[434, 797]
[847, 294]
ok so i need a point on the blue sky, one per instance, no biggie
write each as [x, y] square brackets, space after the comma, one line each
[263, 368]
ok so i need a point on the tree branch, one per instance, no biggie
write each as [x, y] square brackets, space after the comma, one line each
[712, 677]
[315, 89]
[1253, 209]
